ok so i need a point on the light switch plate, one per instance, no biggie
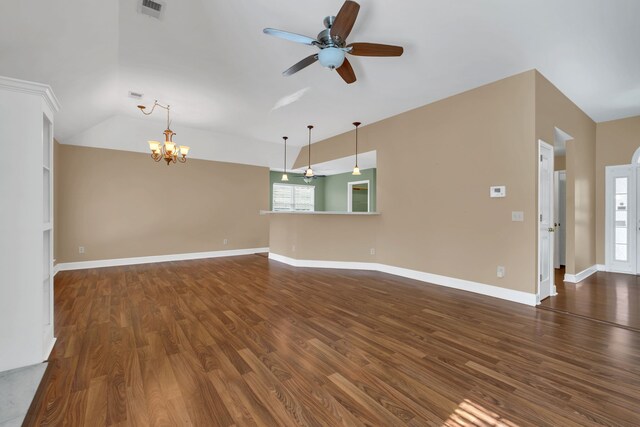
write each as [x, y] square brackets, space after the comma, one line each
[517, 216]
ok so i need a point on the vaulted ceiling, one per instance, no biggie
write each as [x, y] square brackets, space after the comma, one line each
[210, 60]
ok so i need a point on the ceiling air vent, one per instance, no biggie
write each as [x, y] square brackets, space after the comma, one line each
[153, 8]
[135, 95]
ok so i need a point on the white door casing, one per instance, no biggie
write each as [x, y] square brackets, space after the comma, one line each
[546, 286]
[350, 194]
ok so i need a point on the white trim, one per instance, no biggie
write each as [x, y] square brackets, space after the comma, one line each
[601, 267]
[345, 265]
[33, 88]
[48, 353]
[350, 194]
[157, 258]
[56, 268]
[436, 279]
[635, 159]
[575, 278]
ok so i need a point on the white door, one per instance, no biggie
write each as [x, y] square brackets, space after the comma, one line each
[621, 227]
[545, 219]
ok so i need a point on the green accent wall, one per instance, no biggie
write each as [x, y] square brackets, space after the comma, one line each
[335, 192]
[331, 191]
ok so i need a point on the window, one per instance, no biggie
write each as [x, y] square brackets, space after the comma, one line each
[287, 197]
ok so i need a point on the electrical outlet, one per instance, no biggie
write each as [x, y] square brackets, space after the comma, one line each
[225, 241]
[80, 249]
[501, 271]
[372, 251]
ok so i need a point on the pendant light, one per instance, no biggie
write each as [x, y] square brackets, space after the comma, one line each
[356, 169]
[284, 175]
[308, 175]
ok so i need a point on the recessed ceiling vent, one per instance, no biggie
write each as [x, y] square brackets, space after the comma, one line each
[135, 95]
[153, 8]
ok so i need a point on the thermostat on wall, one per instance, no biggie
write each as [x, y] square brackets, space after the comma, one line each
[498, 191]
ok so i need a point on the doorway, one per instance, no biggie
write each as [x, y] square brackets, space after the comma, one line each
[358, 199]
[560, 219]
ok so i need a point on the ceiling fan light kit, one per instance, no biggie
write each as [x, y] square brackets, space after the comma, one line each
[332, 44]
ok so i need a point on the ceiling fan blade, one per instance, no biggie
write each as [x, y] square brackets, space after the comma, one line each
[375, 49]
[345, 19]
[297, 38]
[300, 65]
[346, 72]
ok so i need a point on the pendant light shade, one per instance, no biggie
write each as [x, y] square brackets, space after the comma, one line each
[356, 169]
[285, 177]
[308, 174]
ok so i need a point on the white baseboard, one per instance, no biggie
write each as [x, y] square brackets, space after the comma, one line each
[601, 267]
[579, 277]
[348, 265]
[157, 258]
[436, 279]
[56, 268]
[50, 349]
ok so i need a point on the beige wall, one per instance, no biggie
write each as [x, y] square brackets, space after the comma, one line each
[339, 238]
[435, 166]
[56, 202]
[121, 204]
[553, 109]
[616, 142]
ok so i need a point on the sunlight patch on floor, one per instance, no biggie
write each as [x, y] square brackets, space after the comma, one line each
[469, 413]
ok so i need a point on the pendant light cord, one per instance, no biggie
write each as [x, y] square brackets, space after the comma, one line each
[356, 124]
[309, 147]
[285, 153]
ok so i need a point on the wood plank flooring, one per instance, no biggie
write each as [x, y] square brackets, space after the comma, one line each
[607, 297]
[249, 341]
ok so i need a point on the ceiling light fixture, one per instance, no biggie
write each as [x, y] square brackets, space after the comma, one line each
[167, 150]
[356, 169]
[308, 175]
[284, 175]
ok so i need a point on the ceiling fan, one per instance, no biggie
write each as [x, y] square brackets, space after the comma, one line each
[333, 46]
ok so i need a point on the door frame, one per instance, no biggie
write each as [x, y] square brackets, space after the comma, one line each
[350, 191]
[559, 223]
[552, 288]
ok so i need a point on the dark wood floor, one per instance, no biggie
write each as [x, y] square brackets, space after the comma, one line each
[607, 297]
[248, 341]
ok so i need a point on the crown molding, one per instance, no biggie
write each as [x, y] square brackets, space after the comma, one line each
[32, 88]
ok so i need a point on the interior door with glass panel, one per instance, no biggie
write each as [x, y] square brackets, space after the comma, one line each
[621, 225]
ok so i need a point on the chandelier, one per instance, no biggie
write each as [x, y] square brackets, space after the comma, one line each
[168, 150]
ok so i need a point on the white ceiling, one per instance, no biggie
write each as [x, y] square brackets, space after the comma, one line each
[210, 60]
